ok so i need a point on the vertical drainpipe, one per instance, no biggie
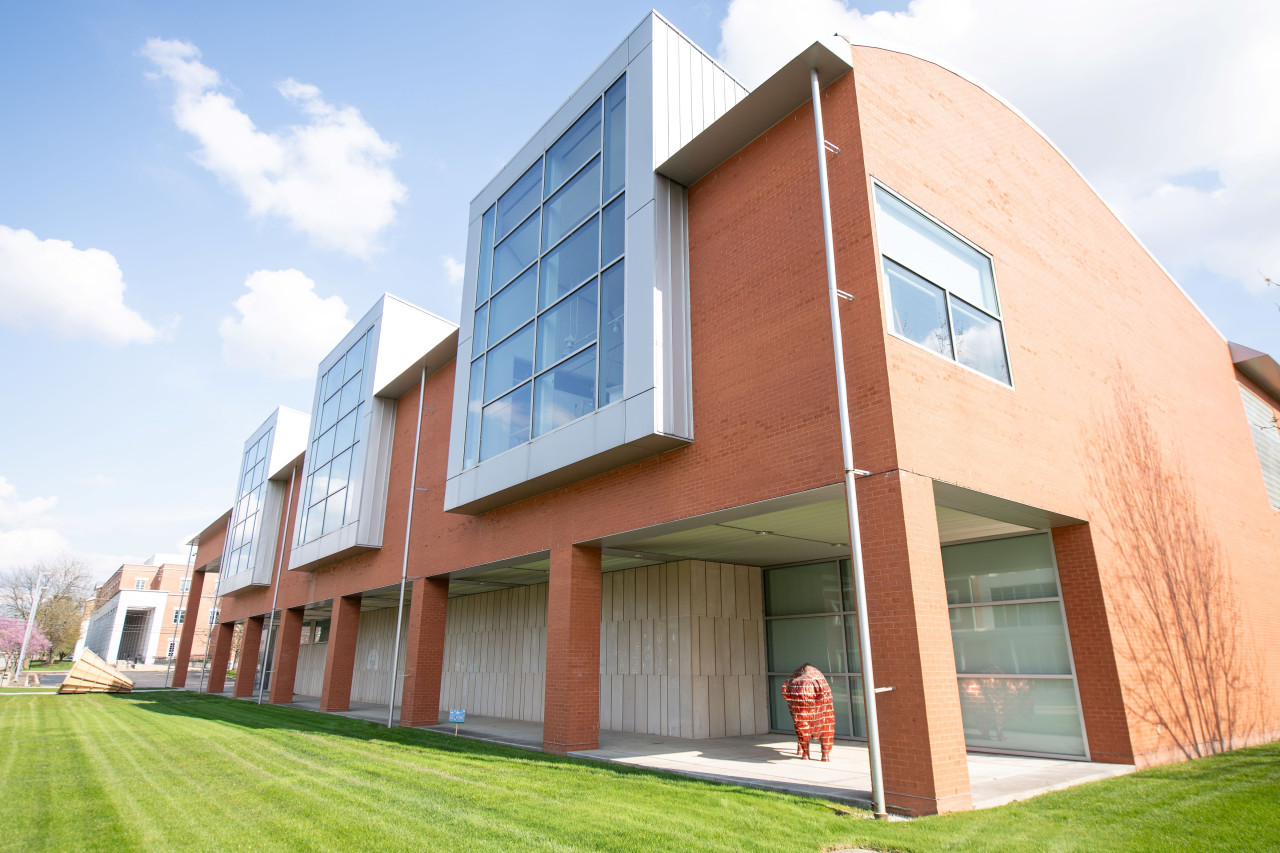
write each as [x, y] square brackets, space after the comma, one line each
[404, 566]
[846, 441]
[271, 626]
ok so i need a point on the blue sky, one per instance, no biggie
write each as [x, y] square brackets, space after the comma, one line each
[199, 149]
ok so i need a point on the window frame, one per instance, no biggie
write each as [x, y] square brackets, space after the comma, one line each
[545, 248]
[882, 276]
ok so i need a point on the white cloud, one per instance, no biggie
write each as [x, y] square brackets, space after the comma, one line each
[284, 327]
[1137, 95]
[51, 284]
[27, 535]
[453, 271]
[328, 178]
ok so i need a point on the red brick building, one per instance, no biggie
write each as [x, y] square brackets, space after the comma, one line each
[138, 614]
[614, 494]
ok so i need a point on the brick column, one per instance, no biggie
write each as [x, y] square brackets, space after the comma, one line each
[340, 657]
[247, 666]
[571, 714]
[424, 653]
[1097, 675]
[182, 658]
[221, 657]
[921, 734]
[288, 639]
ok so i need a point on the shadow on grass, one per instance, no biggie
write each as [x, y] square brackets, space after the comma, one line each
[247, 715]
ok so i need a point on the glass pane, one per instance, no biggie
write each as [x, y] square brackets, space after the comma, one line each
[802, 589]
[1023, 714]
[333, 380]
[509, 363]
[515, 253]
[919, 309]
[615, 137]
[1023, 639]
[851, 642]
[577, 200]
[578, 145]
[480, 331]
[315, 522]
[334, 509]
[816, 640]
[930, 250]
[345, 432]
[612, 315]
[324, 447]
[506, 422]
[471, 450]
[979, 341]
[859, 706]
[340, 471]
[1000, 570]
[566, 392]
[513, 306]
[846, 582]
[614, 230]
[571, 263]
[484, 264]
[780, 714]
[355, 358]
[329, 412]
[519, 201]
[568, 327]
[350, 395]
[320, 482]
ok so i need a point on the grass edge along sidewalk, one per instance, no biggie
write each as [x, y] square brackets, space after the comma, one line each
[176, 770]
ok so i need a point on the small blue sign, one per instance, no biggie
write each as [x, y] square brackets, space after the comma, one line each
[457, 715]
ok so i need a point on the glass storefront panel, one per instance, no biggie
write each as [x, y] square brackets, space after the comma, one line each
[1011, 638]
[1000, 570]
[796, 590]
[1022, 714]
[816, 640]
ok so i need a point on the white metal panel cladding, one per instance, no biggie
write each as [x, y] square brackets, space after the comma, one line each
[673, 91]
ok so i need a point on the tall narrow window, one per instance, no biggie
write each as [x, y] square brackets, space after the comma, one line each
[245, 518]
[1266, 442]
[332, 457]
[547, 334]
[941, 290]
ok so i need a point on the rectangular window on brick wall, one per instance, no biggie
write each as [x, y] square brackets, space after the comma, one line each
[1266, 441]
[940, 289]
[179, 615]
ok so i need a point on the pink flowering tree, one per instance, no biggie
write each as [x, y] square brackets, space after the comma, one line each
[11, 633]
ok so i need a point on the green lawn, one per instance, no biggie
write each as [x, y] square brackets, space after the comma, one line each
[170, 771]
[56, 666]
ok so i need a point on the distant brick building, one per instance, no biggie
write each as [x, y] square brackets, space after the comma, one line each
[137, 614]
[624, 467]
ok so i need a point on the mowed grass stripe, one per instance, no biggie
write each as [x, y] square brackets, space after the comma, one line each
[178, 771]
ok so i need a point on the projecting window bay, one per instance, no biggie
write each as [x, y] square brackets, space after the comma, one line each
[547, 338]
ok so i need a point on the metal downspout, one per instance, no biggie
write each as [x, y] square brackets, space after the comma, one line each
[275, 595]
[846, 441]
[404, 566]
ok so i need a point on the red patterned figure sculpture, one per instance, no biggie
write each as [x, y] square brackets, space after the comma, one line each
[809, 697]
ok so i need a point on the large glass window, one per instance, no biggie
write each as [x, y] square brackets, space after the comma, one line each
[547, 339]
[1266, 441]
[810, 618]
[941, 290]
[1013, 661]
[332, 456]
[245, 518]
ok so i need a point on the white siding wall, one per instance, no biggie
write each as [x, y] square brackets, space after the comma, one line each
[495, 653]
[310, 676]
[682, 651]
[371, 678]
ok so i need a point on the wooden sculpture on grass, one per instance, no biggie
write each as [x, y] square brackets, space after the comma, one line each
[809, 697]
